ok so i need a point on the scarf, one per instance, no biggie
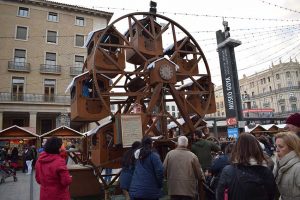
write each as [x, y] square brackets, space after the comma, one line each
[285, 164]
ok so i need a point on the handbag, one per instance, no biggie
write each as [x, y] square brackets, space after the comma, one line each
[226, 194]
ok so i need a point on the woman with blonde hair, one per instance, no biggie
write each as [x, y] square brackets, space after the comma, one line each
[287, 172]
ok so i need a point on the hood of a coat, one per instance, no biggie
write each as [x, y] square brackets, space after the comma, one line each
[137, 153]
[47, 157]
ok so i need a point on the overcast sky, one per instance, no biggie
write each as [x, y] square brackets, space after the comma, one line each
[263, 40]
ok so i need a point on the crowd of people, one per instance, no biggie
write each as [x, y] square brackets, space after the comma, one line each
[252, 167]
[241, 170]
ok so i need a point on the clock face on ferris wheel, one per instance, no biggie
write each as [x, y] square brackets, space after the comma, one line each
[166, 72]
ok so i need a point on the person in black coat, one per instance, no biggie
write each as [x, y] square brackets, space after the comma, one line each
[218, 164]
[14, 157]
[248, 176]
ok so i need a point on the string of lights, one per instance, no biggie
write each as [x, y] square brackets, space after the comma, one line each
[281, 7]
[268, 59]
[203, 15]
[268, 48]
[254, 39]
[253, 34]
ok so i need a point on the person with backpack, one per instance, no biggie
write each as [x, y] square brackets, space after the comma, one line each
[147, 179]
[287, 170]
[247, 177]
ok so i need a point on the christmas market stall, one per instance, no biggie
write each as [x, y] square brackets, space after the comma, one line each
[18, 137]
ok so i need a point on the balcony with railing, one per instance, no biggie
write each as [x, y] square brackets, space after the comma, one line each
[50, 69]
[74, 71]
[18, 66]
[281, 101]
[34, 98]
[286, 112]
[293, 99]
[266, 104]
[280, 90]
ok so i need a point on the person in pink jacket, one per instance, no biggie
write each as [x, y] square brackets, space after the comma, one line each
[52, 173]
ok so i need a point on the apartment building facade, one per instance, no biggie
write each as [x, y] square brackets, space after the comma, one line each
[41, 50]
[271, 92]
[276, 89]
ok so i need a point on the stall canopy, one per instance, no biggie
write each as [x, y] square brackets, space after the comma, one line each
[63, 132]
[267, 128]
[16, 132]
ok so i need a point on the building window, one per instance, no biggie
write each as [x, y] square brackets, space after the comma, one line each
[18, 122]
[52, 17]
[23, 12]
[174, 114]
[277, 76]
[52, 37]
[261, 81]
[221, 104]
[278, 85]
[79, 61]
[49, 88]
[21, 33]
[46, 125]
[20, 58]
[252, 84]
[18, 88]
[296, 73]
[269, 79]
[79, 21]
[50, 59]
[168, 108]
[218, 113]
[79, 40]
[282, 108]
[252, 94]
[173, 108]
[294, 107]
[290, 83]
[218, 105]
[288, 74]
[264, 90]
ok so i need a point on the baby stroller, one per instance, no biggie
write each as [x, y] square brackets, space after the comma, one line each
[7, 170]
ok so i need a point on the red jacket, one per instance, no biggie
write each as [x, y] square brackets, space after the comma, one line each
[53, 176]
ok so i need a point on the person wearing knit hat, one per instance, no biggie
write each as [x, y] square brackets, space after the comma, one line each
[293, 123]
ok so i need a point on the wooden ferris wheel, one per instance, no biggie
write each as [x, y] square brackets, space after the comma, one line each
[143, 60]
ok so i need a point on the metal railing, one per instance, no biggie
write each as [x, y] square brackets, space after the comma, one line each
[50, 69]
[285, 89]
[286, 112]
[18, 66]
[33, 98]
